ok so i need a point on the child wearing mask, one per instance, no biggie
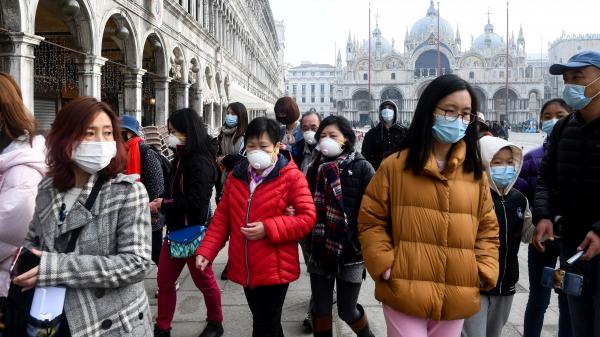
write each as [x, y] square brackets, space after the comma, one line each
[502, 161]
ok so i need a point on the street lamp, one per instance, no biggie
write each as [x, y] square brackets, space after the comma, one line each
[152, 103]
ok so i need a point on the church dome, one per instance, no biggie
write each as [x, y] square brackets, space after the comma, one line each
[428, 25]
[488, 40]
[386, 46]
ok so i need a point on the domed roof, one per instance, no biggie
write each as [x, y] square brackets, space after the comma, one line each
[386, 46]
[428, 25]
[488, 39]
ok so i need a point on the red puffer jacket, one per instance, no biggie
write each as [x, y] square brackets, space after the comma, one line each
[273, 259]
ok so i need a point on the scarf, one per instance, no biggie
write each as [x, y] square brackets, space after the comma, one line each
[331, 230]
[226, 141]
[134, 163]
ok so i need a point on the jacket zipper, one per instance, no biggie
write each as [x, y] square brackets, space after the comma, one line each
[246, 239]
[506, 243]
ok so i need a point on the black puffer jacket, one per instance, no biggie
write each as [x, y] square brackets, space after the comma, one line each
[355, 179]
[380, 140]
[569, 181]
[510, 211]
[193, 177]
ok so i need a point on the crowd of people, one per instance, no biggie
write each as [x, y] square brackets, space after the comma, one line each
[434, 212]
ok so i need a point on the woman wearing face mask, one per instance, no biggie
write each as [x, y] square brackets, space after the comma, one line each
[338, 179]
[502, 161]
[99, 252]
[263, 239]
[539, 296]
[428, 231]
[231, 137]
[287, 113]
[193, 176]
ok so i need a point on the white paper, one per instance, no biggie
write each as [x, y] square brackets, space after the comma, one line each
[48, 302]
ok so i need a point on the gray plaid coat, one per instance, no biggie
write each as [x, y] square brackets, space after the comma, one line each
[104, 276]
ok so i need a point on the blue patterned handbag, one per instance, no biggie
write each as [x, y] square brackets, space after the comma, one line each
[184, 242]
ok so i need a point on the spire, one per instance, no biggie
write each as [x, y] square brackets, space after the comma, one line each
[521, 36]
[489, 28]
[349, 39]
[339, 56]
[431, 11]
[457, 34]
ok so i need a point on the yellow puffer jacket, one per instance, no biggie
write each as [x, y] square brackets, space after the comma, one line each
[438, 233]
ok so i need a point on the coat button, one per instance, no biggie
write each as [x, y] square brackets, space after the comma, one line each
[106, 324]
[141, 315]
[99, 293]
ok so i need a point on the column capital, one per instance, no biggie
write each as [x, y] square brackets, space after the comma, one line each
[19, 44]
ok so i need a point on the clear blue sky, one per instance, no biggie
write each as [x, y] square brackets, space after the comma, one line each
[313, 27]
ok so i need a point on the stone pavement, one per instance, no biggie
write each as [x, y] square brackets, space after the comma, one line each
[191, 312]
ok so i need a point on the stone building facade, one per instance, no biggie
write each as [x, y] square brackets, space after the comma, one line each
[144, 57]
[401, 76]
[312, 86]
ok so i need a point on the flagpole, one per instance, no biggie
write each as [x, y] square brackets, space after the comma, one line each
[438, 40]
[507, 44]
[369, 75]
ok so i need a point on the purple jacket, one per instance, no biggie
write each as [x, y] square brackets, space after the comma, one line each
[528, 177]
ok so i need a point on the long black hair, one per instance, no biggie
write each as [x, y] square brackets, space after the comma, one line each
[190, 123]
[419, 139]
[240, 110]
[559, 101]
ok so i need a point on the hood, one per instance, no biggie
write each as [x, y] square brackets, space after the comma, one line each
[20, 152]
[394, 107]
[489, 146]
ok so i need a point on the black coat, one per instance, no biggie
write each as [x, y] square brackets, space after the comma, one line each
[569, 180]
[355, 178]
[510, 211]
[379, 141]
[193, 177]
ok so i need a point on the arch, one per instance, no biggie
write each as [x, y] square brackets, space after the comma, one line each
[13, 15]
[80, 26]
[130, 46]
[422, 87]
[499, 102]
[426, 64]
[482, 98]
[392, 94]
[361, 100]
[158, 47]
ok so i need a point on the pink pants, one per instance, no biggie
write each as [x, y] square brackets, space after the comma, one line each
[402, 325]
[169, 270]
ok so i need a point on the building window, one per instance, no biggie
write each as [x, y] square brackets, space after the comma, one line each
[393, 76]
[322, 99]
[303, 99]
[331, 90]
[330, 99]
[365, 77]
[312, 99]
[501, 74]
[312, 73]
[471, 75]
[312, 89]
[294, 90]
[304, 73]
[331, 73]
[322, 74]
[303, 89]
[322, 89]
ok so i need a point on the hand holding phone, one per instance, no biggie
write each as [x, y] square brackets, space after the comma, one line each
[23, 261]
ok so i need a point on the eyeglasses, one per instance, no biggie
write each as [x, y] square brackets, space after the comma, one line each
[452, 115]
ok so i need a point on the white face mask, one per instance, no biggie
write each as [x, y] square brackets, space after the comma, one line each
[330, 148]
[94, 156]
[387, 115]
[173, 141]
[309, 137]
[260, 159]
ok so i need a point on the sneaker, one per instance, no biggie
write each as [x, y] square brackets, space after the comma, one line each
[307, 322]
[161, 333]
[212, 329]
[176, 288]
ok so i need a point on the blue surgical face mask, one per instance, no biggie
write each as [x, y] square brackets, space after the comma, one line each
[449, 132]
[387, 115]
[503, 175]
[548, 125]
[574, 95]
[231, 120]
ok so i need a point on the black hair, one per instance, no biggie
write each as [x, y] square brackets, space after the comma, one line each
[558, 101]
[419, 139]
[310, 113]
[261, 125]
[240, 110]
[190, 123]
[345, 128]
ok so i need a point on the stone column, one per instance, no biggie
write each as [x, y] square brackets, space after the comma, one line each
[196, 100]
[181, 95]
[16, 58]
[161, 88]
[211, 116]
[132, 86]
[90, 76]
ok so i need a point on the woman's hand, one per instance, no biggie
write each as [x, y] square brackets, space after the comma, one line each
[201, 262]
[282, 146]
[28, 280]
[155, 205]
[290, 211]
[386, 274]
[254, 231]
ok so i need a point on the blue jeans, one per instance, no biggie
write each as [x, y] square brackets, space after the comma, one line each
[539, 296]
[584, 309]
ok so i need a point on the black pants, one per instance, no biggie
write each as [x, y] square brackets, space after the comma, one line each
[266, 304]
[584, 309]
[347, 299]
[157, 240]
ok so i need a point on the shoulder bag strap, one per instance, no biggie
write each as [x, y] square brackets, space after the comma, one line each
[88, 205]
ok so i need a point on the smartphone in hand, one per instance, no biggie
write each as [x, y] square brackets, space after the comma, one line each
[23, 261]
